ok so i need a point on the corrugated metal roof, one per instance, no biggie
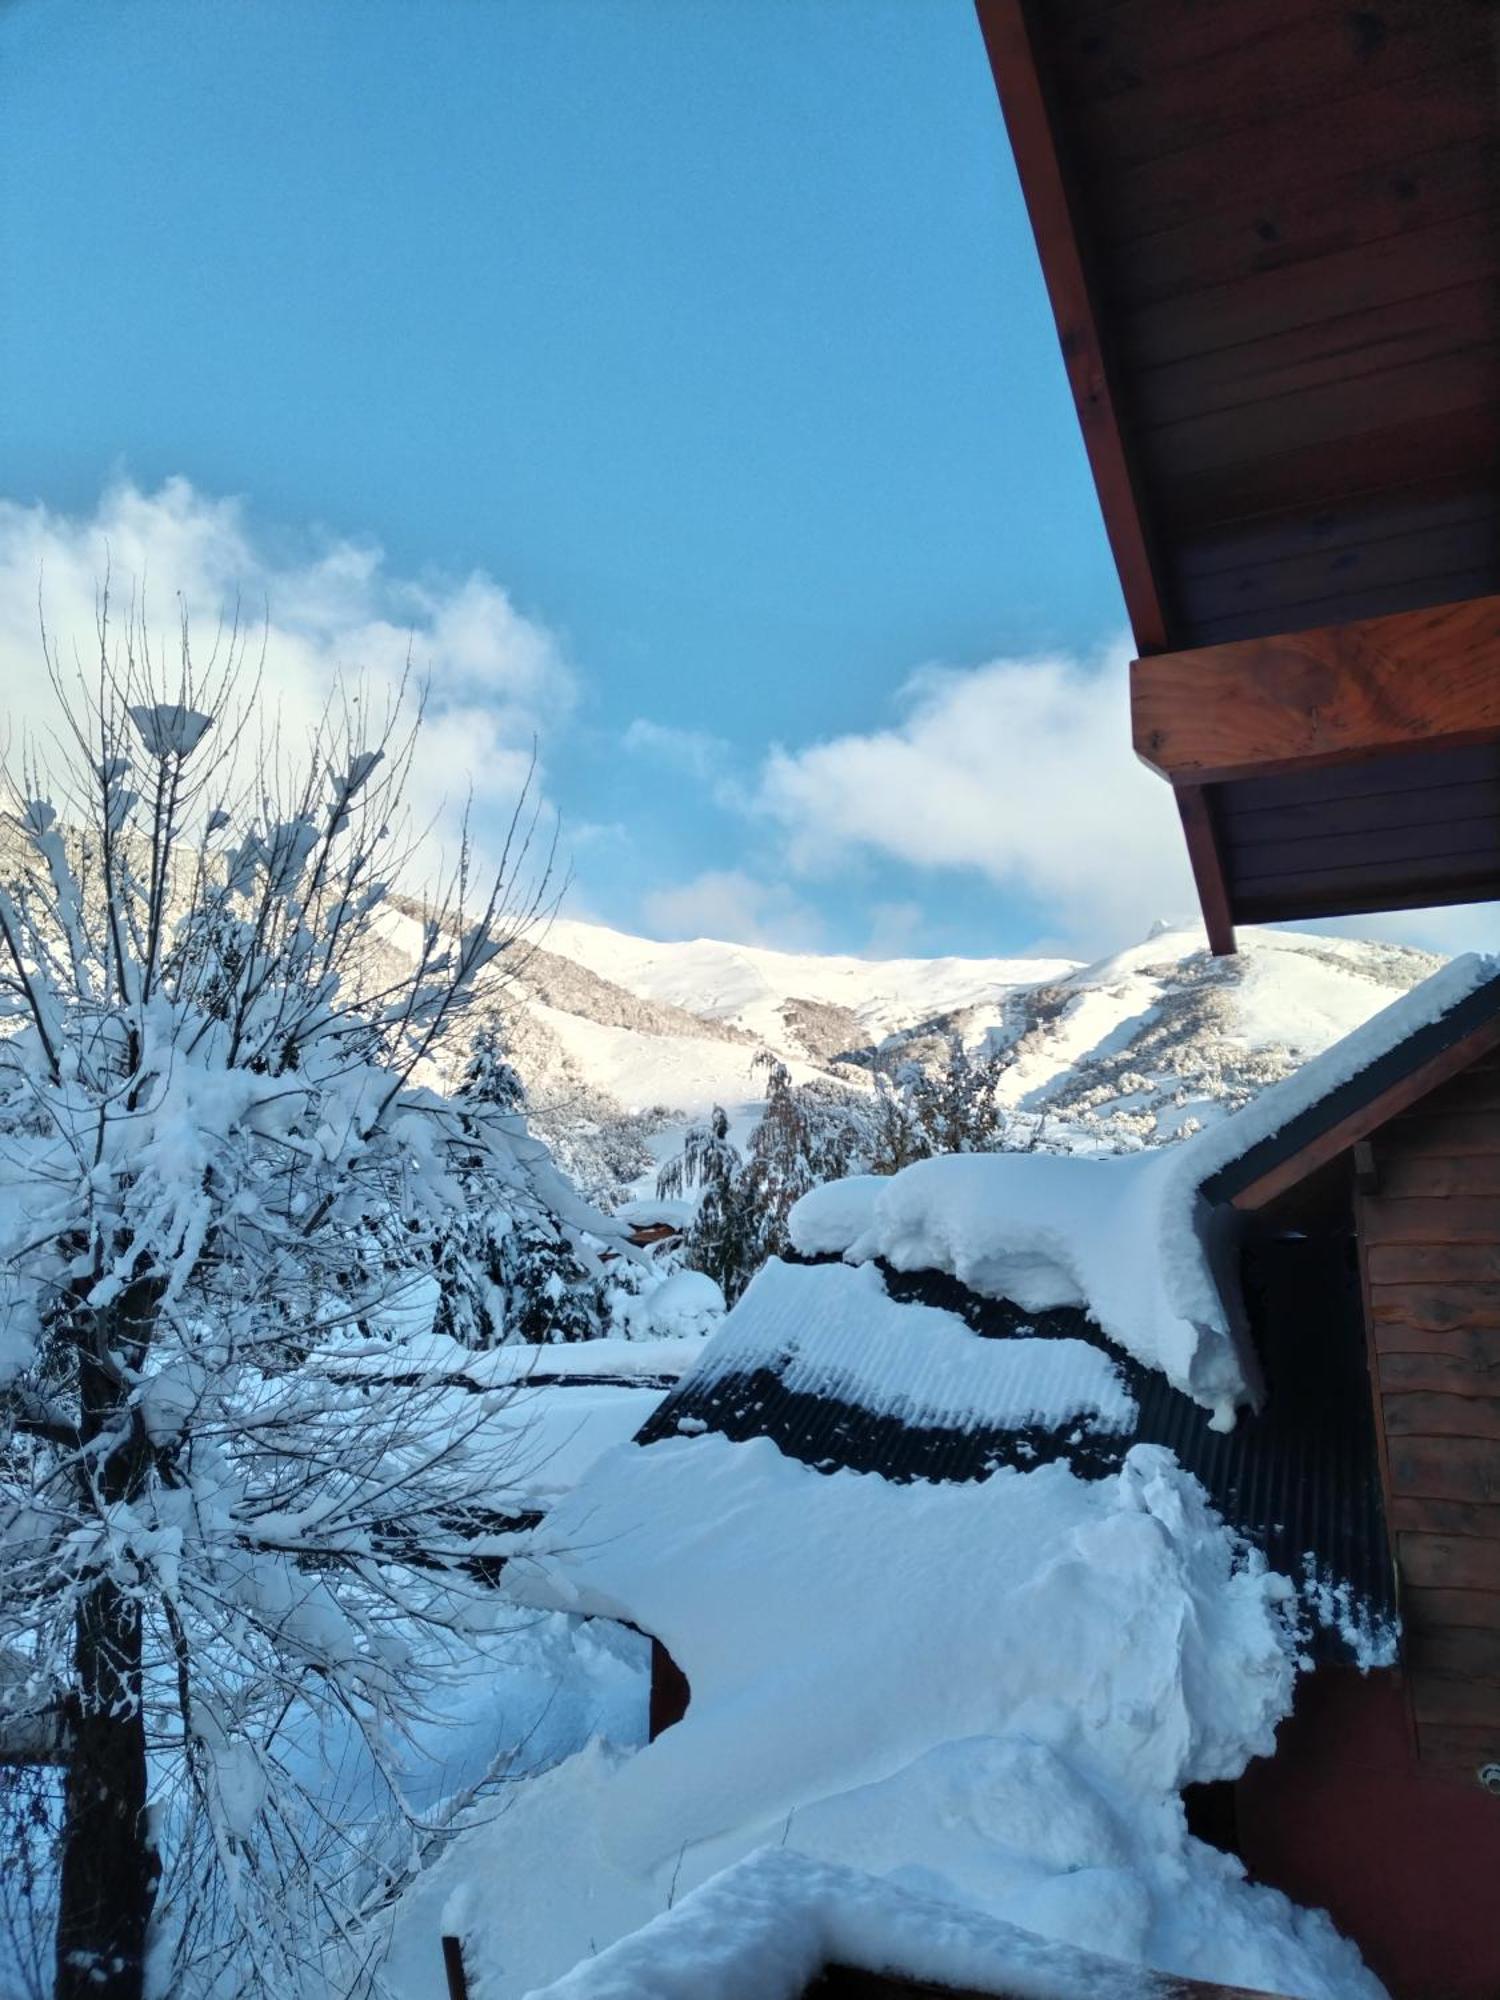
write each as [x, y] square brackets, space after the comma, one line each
[1301, 1480]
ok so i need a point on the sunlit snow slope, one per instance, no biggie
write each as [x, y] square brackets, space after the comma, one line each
[619, 1035]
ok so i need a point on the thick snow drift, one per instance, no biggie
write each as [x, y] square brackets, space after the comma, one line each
[1125, 1237]
[763, 1928]
[989, 1693]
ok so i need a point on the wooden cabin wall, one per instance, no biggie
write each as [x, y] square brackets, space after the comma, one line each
[1429, 1233]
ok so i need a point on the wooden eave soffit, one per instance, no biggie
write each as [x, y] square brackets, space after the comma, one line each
[1420, 680]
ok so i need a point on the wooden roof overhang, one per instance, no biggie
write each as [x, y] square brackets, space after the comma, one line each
[1271, 237]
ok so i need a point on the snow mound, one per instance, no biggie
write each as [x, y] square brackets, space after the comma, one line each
[1047, 1230]
[987, 1694]
[689, 1304]
[764, 1927]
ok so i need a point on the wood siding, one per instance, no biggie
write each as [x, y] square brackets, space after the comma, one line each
[1430, 1250]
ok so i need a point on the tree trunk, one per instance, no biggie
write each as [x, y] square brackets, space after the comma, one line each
[109, 1866]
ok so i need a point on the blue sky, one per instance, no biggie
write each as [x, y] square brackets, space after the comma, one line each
[709, 335]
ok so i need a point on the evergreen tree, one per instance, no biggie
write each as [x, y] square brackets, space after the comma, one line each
[508, 1268]
[806, 1136]
[722, 1239]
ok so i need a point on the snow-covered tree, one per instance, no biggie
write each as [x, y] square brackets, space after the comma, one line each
[807, 1135]
[920, 1112]
[509, 1269]
[722, 1240]
[223, 1179]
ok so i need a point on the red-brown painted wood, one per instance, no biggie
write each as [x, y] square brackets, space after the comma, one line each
[1007, 37]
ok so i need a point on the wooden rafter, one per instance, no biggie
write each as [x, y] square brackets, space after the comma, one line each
[1417, 680]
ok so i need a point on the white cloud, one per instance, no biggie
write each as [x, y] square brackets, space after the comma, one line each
[730, 905]
[1464, 927]
[496, 679]
[694, 751]
[1020, 770]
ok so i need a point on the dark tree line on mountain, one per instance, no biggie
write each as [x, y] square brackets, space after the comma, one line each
[816, 1132]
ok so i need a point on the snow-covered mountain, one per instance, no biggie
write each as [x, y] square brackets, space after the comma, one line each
[623, 1039]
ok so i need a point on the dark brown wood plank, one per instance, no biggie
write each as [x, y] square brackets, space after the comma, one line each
[1331, 817]
[1470, 1704]
[1448, 1374]
[1423, 1306]
[1332, 533]
[1449, 1562]
[1166, 100]
[1422, 1263]
[1430, 1413]
[1355, 405]
[1466, 878]
[1422, 678]
[1446, 1610]
[1388, 1218]
[1463, 447]
[1460, 1652]
[1446, 1468]
[1427, 1177]
[1043, 176]
[1363, 132]
[1430, 1133]
[1307, 899]
[1253, 231]
[1454, 1749]
[1368, 599]
[1283, 588]
[1339, 854]
[1267, 305]
[1422, 1516]
[1407, 770]
[1125, 49]
[1433, 1177]
[1313, 365]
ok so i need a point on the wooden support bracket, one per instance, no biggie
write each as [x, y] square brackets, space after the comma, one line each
[1419, 680]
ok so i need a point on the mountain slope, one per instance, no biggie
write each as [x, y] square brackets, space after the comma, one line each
[1133, 1050]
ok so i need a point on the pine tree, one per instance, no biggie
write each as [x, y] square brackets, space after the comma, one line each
[805, 1137]
[722, 1239]
[509, 1269]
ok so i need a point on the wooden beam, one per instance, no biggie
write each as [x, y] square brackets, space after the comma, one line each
[1340, 1138]
[1196, 810]
[1419, 680]
[1028, 120]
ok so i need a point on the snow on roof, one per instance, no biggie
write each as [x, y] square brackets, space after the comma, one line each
[768, 1924]
[835, 1332]
[989, 1693]
[1124, 1237]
